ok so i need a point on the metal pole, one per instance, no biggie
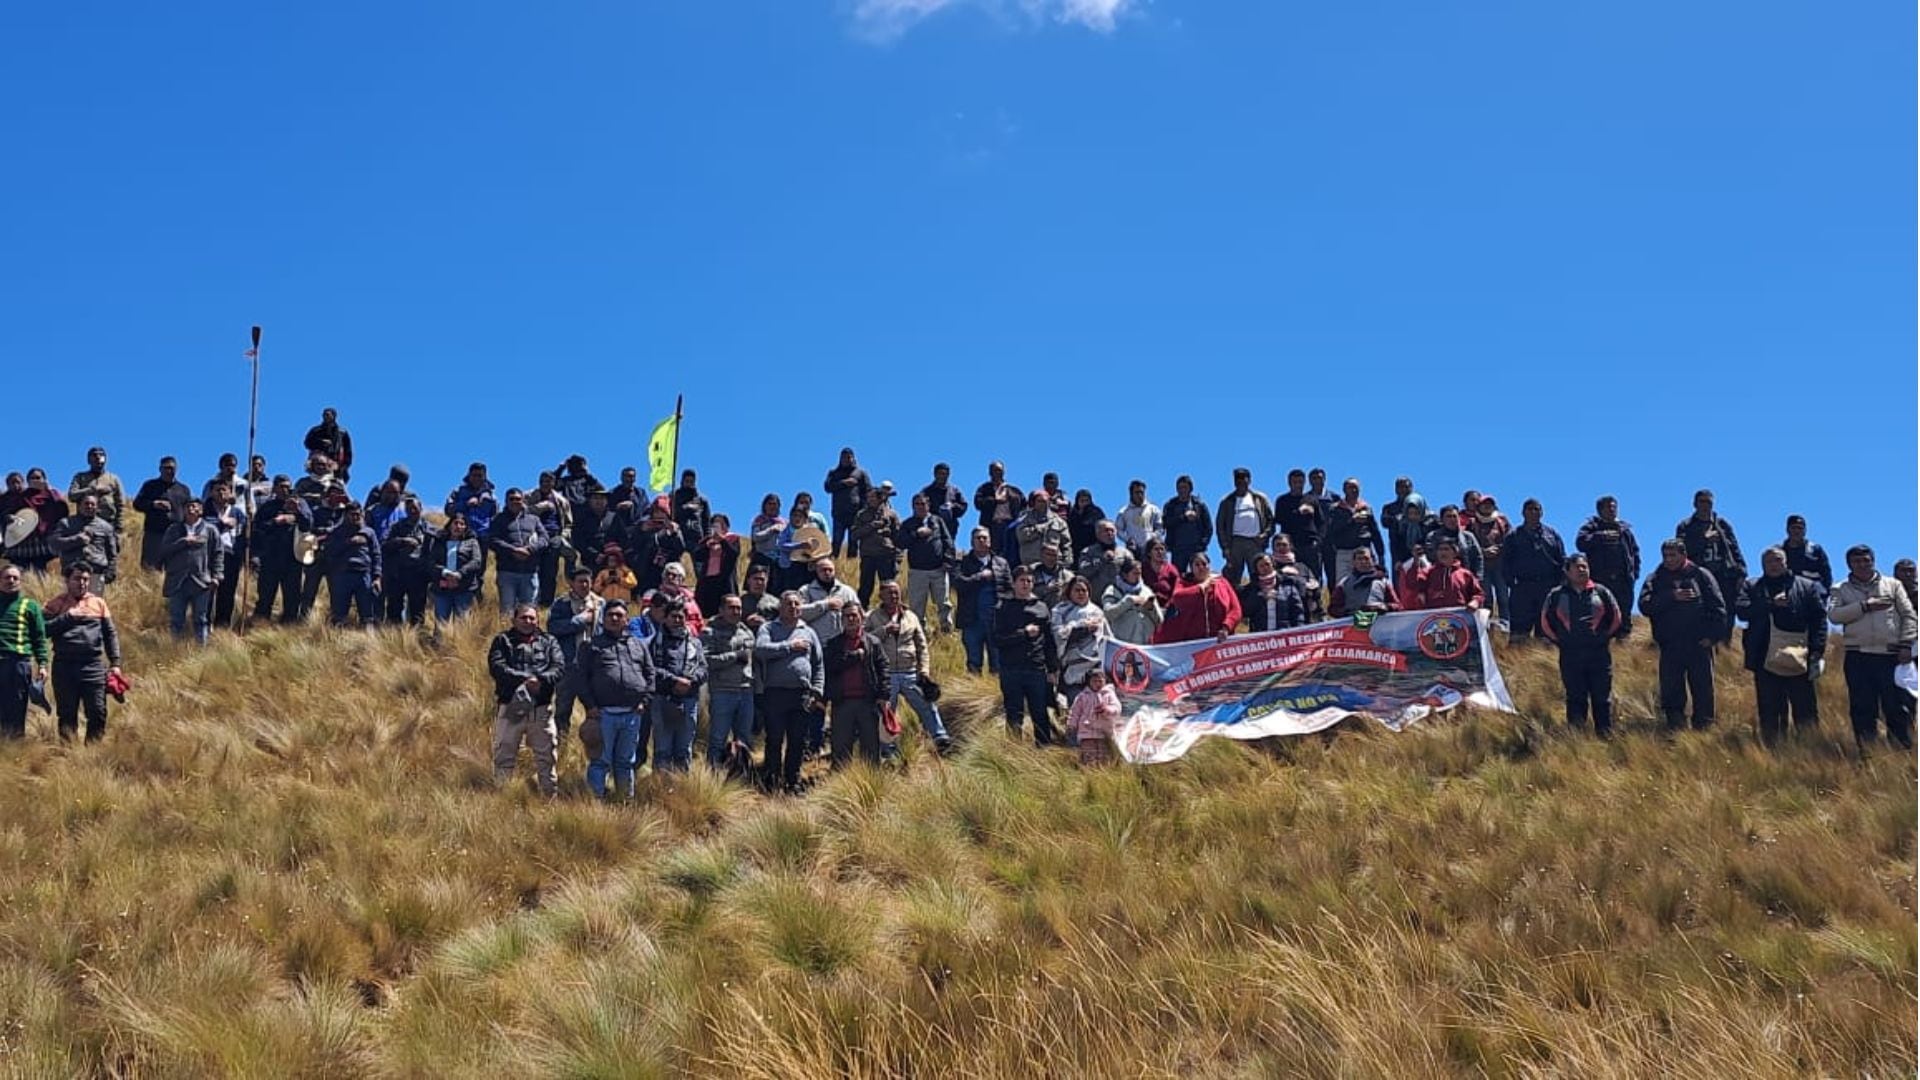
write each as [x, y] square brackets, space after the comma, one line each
[678, 401]
[246, 478]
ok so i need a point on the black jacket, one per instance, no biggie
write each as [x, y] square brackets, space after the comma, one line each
[932, 552]
[844, 501]
[343, 556]
[948, 503]
[507, 531]
[1533, 556]
[649, 550]
[1613, 552]
[614, 672]
[839, 657]
[1304, 529]
[1580, 618]
[1289, 605]
[1018, 652]
[1805, 611]
[176, 494]
[405, 551]
[513, 659]
[1711, 544]
[968, 584]
[1082, 524]
[1685, 605]
[1186, 536]
[272, 541]
[468, 561]
[1810, 561]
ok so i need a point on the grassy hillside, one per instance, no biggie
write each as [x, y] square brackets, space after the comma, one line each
[288, 859]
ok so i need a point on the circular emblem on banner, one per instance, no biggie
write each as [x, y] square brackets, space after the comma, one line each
[1130, 671]
[1444, 635]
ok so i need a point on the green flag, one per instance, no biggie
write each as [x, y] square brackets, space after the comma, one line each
[660, 452]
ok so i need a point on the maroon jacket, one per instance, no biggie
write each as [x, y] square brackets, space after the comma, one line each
[1440, 587]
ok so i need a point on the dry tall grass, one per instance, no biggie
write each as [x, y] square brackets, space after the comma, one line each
[288, 859]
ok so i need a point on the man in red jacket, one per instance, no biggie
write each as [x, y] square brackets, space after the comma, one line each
[1445, 584]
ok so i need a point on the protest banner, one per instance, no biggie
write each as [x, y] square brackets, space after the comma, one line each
[1397, 668]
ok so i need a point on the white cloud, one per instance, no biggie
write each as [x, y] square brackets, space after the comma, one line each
[886, 20]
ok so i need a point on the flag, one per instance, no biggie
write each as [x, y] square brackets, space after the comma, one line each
[251, 354]
[660, 453]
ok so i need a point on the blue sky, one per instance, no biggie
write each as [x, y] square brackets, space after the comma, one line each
[1536, 248]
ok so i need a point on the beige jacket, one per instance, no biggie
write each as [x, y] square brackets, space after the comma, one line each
[1880, 631]
[903, 641]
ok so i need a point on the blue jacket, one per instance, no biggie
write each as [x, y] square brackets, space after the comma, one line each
[1810, 561]
[480, 515]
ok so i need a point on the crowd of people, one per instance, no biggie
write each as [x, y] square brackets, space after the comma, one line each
[629, 608]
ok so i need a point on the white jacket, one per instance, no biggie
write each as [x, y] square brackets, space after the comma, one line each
[1139, 524]
[1873, 631]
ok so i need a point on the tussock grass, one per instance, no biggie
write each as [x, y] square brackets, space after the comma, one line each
[289, 858]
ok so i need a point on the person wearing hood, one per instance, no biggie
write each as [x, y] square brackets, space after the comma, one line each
[194, 562]
[1204, 606]
[1272, 600]
[1582, 617]
[1405, 520]
[1613, 555]
[1132, 610]
[1712, 546]
[1688, 613]
[526, 666]
[679, 671]
[1083, 517]
[1785, 645]
[875, 532]
[847, 488]
[1878, 628]
[329, 438]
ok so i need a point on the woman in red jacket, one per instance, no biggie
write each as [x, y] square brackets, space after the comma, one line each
[1203, 606]
[1445, 584]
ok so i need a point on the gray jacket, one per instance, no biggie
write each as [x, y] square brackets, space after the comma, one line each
[614, 672]
[192, 568]
[93, 541]
[729, 656]
[785, 669]
[815, 613]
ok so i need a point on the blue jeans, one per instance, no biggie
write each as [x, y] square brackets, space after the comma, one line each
[200, 604]
[619, 742]
[449, 605]
[1028, 691]
[905, 684]
[729, 712]
[516, 588]
[673, 721]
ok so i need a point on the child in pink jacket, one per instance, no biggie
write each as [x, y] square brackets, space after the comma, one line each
[1095, 712]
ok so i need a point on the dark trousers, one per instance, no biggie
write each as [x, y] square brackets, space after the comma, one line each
[1027, 691]
[1686, 668]
[842, 527]
[1528, 598]
[549, 576]
[1873, 695]
[150, 547]
[1622, 589]
[351, 589]
[282, 579]
[707, 592]
[310, 579]
[1587, 673]
[856, 720]
[223, 593]
[1774, 695]
[80, 684]
[565, 696]
[786, 723]
[1236, 558]
[877, 569]
[16, 678]
[405, 597]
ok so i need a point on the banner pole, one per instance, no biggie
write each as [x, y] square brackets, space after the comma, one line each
[244, 495]
[679, 400]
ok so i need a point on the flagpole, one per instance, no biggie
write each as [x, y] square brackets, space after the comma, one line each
[246, 477]
[678, 401]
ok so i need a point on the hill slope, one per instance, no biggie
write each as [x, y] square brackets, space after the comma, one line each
[288, 858]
